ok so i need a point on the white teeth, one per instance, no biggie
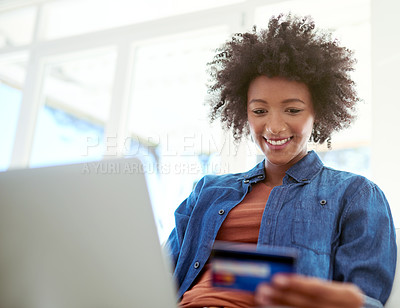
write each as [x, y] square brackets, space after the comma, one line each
[278, 142]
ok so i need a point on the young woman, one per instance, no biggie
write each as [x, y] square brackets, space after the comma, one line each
[284, 86]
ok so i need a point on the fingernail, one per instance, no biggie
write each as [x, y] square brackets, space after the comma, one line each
[267, 291]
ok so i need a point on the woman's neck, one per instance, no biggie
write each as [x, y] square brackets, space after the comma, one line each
[274, 174]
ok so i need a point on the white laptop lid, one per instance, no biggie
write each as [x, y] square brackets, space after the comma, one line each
[80, 236]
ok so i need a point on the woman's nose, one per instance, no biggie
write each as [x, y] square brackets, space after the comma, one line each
[275, 125]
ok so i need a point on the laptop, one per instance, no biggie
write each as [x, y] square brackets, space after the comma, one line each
[81, 236]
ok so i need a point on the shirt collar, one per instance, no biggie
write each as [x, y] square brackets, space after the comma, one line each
[306, 168]
[303, 171]
[257, 172]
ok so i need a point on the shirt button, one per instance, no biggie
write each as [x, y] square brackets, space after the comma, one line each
[322, 202]
[196, 264]
[246, 181]
[260, 176]
[221, 212]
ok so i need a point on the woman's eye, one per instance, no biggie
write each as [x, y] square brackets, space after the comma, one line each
[259, 111]
[293, 110]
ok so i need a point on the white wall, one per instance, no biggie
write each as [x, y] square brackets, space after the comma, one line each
[386, 100]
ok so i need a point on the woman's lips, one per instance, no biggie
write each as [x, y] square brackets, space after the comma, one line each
[276, 143]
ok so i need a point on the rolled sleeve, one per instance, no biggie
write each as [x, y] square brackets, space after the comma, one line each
[370, 302]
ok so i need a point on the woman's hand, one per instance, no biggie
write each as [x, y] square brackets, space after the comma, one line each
[301, 291]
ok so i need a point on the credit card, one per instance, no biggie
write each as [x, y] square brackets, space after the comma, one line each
[244, 266]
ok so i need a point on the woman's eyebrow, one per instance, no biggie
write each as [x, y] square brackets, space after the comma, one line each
[288, 100]
[258, 100]
[293, 100]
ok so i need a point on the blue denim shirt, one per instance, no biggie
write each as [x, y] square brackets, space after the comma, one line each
[340, 222]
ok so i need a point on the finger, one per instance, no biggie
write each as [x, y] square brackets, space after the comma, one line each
[267, 295]
[263, 295]
[292, 299]
[336, 293]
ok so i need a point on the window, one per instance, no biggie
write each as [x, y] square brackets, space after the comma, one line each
[92, 15]
[12, 78]
[77, 97]
[12, 34]
[9, 109]
[168, 115]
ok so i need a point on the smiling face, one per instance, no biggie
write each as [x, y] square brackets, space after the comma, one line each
[281, 117]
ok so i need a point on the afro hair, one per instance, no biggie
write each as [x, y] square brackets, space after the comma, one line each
[291, 47]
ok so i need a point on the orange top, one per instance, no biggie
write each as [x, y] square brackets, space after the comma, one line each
[241, 225]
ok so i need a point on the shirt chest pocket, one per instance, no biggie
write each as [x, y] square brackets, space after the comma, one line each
[313, 227]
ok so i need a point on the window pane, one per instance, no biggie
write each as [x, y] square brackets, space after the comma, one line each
[354, 159]
[12, 77]
[77, 96]
[16, 27]
[62, 138]
[13, 69]
[93, 15]
[10, 102]
[169, 118]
